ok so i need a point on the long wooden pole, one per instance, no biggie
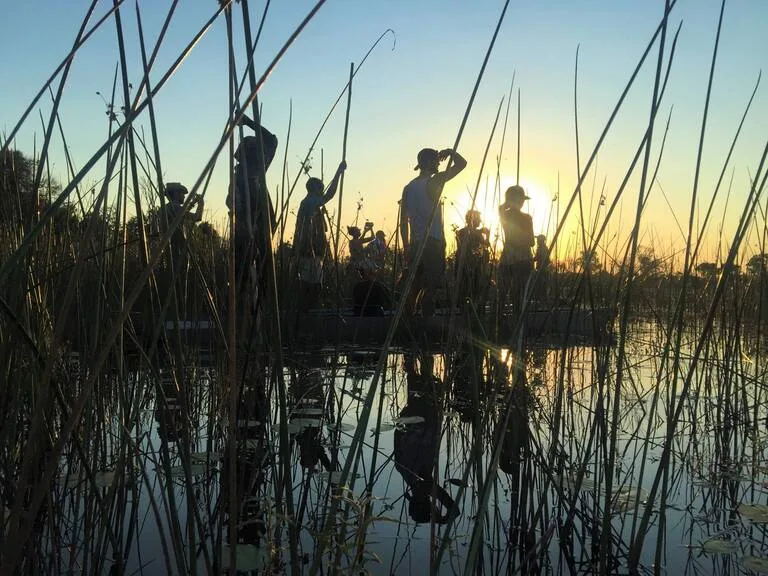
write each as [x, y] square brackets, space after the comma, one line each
[341, 181]
[517, 181]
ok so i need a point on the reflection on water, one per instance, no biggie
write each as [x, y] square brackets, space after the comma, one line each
[479, 458]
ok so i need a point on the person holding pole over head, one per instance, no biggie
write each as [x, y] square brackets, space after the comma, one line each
[310, 244]
[253, 156]
[419, 203]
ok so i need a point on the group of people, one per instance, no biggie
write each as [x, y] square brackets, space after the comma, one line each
[421, 230]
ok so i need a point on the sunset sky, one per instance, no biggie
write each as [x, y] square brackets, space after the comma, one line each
[412, 93]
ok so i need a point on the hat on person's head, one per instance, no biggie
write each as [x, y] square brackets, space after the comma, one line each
[516, 192]
[426, 157]
[173, 188]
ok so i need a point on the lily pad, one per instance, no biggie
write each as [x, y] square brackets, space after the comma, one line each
[248, 557]
[757, 513]
[248, 423]
[755, 563]
[194, 470]
[385, 427]
[299, 424]
[343, 426]
[205, 456]
[408, 420]
[719, 546]
[308, 412]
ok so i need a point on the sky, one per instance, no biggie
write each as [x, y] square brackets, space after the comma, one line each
[412, 92]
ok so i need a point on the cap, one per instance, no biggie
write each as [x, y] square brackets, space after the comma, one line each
[426, 157]
[517, 191]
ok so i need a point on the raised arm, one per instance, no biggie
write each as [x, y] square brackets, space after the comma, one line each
[268, 140]
[367, 236]
[459, 163]
[198, 214]
[331, 191]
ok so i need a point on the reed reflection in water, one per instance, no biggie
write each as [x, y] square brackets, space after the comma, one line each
[483, 446]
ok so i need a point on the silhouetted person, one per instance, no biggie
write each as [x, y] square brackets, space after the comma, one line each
[417, 444]
[471, 260]
[516, 264]
[421, 197]
[377, 249]
[369, 296]
[250, 202]
[357, 242]
[176, 261]
[175, 194]
[309, 240]
[515, 462]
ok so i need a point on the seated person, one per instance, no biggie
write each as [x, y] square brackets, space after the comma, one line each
[369, 296]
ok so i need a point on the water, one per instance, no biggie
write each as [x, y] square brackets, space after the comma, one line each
[514, 451]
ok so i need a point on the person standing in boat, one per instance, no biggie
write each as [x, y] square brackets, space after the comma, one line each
[357, 242]
[176, 261]
[377, 249]
[249, 202]
[516, 263]
[417, 226]
[471, 260]
[310, 244]
[175, 193]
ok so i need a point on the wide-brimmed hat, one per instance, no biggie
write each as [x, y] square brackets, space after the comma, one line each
[426, 157]
[173, 188]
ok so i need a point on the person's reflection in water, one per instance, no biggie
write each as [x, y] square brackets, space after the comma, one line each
[169, 413]
[416, 446]
[252, 456]
[515, 462]
[468, 381]
[308, 415]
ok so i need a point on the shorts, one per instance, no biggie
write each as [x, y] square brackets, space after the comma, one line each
[431, 270]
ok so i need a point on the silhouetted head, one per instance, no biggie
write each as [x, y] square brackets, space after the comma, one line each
[315, 186]
[353, 231]
[380, 236]
[515, 195]
[541, 239]
[472, 218]
[419, 509]
[427, 160]
[175, 191]
[248, 151]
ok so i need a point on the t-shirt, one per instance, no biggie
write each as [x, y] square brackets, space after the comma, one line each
[165, 216]
[518, 236]
[418, 210]
[471, 247]
[247, 191]
[309, 237]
